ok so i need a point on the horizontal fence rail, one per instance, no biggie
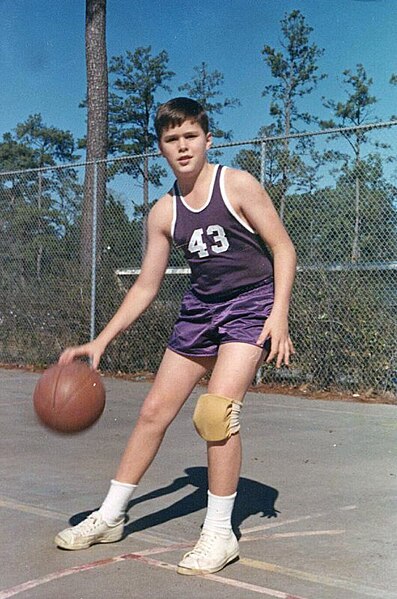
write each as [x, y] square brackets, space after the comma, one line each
[72, 240]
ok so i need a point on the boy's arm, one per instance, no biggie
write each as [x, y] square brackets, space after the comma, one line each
[142, 293]
[254, 205]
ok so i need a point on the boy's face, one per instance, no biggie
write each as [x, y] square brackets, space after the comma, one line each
[185, 147]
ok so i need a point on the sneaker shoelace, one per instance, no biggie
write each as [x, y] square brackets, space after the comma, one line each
[87, 525]
[204, 545]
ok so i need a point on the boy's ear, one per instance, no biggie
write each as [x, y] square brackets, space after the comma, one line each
[209, 140]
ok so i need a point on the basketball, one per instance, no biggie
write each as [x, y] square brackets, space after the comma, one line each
[69, 398]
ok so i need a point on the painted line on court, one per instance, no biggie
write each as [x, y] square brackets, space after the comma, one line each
[31, 584]
[286, 535]
[319, 579]
[31, 509]
[220, 579]
[144, 557]
[245, 531]
[11, 592]
[26, 508]
[140, 557]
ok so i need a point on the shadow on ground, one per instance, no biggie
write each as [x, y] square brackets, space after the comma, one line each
[253, 498]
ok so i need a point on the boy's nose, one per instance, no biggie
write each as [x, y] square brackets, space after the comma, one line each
[182, 144]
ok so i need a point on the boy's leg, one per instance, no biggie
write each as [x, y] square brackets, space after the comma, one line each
[234, 371]
[175, 380]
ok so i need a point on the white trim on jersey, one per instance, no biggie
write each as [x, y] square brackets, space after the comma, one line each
[209, 194]
[229, 205]
[173, 223]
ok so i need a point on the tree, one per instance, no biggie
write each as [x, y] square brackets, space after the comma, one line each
[136, 77]
[355, 111]
[204, 88]
[97, 129]
[49, 145]
[35, 203]
[393, 81]
[295, 71]
[15, 156]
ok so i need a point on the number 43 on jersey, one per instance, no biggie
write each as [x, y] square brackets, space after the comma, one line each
[198, 245]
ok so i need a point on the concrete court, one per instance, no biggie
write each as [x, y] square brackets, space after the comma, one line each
[316, 510]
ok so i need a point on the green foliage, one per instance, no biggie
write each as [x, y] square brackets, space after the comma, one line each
[122, 242]
[333, 351]
[355, 110]
[49, 145]
[363, 170]
[136, 77]
[342, 314]
[37, 206]
[295, 72]
[294, 69]
[14, 155]
[204, 87]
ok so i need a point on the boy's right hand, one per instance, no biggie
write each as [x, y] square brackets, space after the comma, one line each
[88, 349]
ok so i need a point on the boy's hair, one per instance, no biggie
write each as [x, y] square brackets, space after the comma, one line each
[178, 110]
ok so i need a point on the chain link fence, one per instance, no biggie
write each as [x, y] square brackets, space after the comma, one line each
[66, 263]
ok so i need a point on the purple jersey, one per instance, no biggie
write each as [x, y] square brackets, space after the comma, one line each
[225, 255]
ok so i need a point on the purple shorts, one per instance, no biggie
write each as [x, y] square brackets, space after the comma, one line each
[203, 326]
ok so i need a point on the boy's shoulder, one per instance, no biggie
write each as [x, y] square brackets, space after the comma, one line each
[161, 212]
[239, 180]
[164, 202]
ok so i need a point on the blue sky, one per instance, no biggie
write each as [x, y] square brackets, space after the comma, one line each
[42, 62]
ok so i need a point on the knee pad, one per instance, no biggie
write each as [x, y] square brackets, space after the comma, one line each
[216, 417]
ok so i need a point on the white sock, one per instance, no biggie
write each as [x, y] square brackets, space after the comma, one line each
[219, 513]
[116, 501]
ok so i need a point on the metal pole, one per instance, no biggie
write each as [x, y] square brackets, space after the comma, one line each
[94, 251]
[263, 163]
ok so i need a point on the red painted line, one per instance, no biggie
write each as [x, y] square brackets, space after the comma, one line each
[140, 557]
[31, 584]
[220, 579]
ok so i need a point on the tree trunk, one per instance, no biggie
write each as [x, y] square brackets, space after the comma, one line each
[97, 130]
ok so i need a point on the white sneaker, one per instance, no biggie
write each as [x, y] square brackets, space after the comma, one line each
[211, 553]
[90, 531]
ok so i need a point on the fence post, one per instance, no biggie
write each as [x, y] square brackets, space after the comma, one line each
[263, 163]
[94, 251]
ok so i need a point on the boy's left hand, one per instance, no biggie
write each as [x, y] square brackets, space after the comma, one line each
[281, 345]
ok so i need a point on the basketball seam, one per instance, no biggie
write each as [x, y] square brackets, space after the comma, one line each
[81, 387]
[54, 394]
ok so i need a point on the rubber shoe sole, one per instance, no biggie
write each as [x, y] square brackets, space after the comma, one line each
[196, 571]
[110, 536]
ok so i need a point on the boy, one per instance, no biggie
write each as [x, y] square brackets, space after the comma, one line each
[224, 221]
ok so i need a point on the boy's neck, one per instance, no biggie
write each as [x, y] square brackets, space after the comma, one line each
[191, 182]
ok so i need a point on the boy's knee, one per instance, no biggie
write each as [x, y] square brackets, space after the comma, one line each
[153, 413]
[216, 417]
